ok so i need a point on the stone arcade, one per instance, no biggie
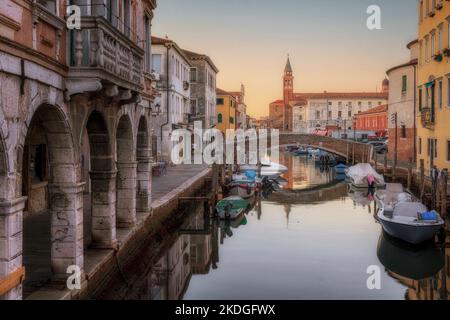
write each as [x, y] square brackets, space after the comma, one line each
[75, 151]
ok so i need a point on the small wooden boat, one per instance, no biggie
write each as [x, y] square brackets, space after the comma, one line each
[403, 217]
[231, 207]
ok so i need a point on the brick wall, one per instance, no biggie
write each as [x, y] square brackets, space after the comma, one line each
[405, 146]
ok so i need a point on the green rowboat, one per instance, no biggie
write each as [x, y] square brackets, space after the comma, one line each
[231, 207]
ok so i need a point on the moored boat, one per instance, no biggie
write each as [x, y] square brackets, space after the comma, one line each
[363, 175]
[340, 168]
[231, 207]
[271, 170]
[403, 217]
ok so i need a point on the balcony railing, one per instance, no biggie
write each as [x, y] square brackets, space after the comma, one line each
[100, 52]
[427, 116]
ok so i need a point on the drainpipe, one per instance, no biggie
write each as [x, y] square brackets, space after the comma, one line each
[167, 93]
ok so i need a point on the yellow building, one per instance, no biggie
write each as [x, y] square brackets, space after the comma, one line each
[225, 110]
[433, 80]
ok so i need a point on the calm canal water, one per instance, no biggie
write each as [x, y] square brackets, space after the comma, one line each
[310, 239]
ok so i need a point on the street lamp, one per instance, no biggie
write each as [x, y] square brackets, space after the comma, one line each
[157, 109]
[354, 127]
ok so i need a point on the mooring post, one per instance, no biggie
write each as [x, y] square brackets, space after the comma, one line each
[353, 153]
[376, 162]
[348, 153]
[434, 175]
[444, 177]
[385, 163]
[215, 180]
[409, 174]
[422, 180]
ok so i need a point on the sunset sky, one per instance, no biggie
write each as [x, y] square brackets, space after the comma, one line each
[329, 44]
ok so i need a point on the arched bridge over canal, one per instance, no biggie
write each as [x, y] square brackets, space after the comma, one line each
[351, 150]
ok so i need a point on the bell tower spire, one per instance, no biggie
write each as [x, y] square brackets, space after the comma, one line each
[288, 82]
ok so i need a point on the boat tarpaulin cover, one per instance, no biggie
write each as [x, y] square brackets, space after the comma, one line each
[409, 209]
[360, 172]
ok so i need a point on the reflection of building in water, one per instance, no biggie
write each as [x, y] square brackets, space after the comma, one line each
[171, 274]
[424, 270]
[426, 289]
[303, 172]
[201, 245]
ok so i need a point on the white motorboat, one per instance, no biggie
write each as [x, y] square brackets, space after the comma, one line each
[271, 170]
[363, 175]
[403, 217]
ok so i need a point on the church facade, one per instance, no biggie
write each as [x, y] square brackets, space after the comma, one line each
[309, 112]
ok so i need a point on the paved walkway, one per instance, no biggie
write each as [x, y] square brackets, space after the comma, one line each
[173, 178]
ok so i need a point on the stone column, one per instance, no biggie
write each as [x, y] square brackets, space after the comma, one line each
[144, 185]
[126, 194]
[103, 194]
[11, 234]
[66, 209]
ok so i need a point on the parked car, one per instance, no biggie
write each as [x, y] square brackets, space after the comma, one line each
[379, 146]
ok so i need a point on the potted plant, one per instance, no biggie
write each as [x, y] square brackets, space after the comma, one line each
[447, 52]
[438, 57]
[439, 5]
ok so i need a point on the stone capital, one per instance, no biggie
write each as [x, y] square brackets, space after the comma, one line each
[103, 175]
[8, 207]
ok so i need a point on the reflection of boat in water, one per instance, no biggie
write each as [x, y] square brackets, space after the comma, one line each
[236, 223]
[409, 261]
[340, 176]
[362, 197]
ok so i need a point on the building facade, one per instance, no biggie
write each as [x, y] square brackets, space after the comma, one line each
[320, 111]
[373, 121]
[241, 108]
[433, 135]
[402, 102]
[203, 89]
[171, 68]
[226, 110]
[74, 132]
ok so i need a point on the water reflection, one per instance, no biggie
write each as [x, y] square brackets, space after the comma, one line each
[304, 173]
[314, 240]
[421, 268]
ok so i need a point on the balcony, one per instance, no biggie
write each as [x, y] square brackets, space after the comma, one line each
[104, 58]
[427, 117]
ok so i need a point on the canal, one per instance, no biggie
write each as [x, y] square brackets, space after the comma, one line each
[310, 238]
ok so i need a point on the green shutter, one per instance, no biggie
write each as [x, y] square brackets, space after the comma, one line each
[420, 100]
[404, 80]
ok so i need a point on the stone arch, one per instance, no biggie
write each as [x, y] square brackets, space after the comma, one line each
[144, 169]
[48, 173]
[4, 185]
[102, 176]
[126, 173]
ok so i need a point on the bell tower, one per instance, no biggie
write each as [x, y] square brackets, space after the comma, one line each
[288, 83]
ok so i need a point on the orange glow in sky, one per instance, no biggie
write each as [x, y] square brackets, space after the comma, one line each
[329, 44]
